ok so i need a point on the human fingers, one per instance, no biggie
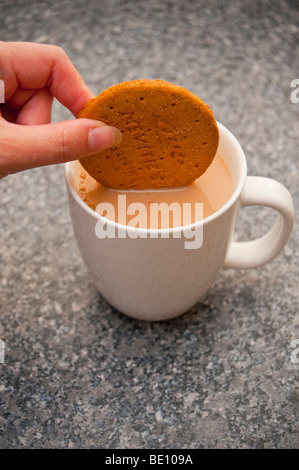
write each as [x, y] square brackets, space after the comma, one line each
[24, 147]
[37, 110]
[49, 66]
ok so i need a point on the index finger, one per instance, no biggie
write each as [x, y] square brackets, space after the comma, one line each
[34, 66]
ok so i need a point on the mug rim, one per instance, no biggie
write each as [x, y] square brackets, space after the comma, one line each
[235, 195]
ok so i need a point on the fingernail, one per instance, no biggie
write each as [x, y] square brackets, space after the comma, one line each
[101, 138]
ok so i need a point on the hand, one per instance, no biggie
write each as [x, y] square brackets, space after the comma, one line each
[33, 74]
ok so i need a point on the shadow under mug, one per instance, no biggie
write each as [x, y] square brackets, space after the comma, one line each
[153, 278]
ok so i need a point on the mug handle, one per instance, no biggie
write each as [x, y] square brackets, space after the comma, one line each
[260, 191]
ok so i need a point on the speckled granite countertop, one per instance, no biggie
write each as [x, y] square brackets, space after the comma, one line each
[77, 373]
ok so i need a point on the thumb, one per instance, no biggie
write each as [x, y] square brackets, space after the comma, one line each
[24, 147]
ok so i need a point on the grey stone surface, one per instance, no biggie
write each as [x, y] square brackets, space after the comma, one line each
[79, 374]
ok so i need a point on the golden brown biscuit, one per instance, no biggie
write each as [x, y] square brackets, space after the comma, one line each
[169, 136]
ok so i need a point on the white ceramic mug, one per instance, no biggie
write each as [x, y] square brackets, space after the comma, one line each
[158, 278]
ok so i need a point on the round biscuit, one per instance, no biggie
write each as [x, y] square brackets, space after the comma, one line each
[169, 136]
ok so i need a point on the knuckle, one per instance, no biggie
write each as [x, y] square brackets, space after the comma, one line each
[69, 144]
[60, 53]
[58, 49]
[64, 147]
